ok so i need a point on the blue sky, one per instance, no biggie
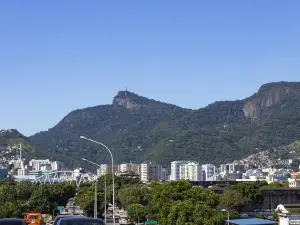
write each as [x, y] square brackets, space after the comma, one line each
[57, 56]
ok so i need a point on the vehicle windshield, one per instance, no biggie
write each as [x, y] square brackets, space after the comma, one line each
[81, 223]
[11, 223]
[33, 217]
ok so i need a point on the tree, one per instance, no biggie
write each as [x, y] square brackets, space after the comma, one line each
[139, 212]
[85, 199]
[202, 195]
[249, 190]
[163, 196]
[133, 194]
[232, 199]
[295, 165]
[46, 197]
[188, 213]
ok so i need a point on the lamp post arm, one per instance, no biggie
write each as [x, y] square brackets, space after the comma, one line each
[92, 163]
[99, 143]
[112, 170]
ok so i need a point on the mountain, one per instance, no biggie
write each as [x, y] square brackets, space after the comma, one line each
[10, 142]
[137, 128]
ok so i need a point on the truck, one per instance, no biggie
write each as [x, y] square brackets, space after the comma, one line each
[33, 218]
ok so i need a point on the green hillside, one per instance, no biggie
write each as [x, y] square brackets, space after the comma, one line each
[138, 129]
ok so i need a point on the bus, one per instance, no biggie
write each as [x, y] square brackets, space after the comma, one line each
[33, 218]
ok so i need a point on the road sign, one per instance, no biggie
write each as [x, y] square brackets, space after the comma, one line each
[60, 207]
[130, 211]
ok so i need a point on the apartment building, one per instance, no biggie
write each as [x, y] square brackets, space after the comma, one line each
[175, 169]
[129, 168]
[106, 169]
[57, 165]
[151, 172]
[209, 171]
[37, 163]
[191, 171]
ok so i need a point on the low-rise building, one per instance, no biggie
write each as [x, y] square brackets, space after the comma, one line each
[22, 172]
[294, 182]
[295, 175]
[3, 171]
[129, 168]
[46, 167]
[37, 163]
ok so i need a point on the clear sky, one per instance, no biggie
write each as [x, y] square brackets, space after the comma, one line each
[57, 56]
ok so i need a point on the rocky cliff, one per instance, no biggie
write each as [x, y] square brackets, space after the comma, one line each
[127, 100]
[268, 96]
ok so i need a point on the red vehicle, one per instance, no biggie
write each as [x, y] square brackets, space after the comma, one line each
[33, 218]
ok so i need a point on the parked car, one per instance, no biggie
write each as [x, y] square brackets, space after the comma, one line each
[12, 221]
[76, 220]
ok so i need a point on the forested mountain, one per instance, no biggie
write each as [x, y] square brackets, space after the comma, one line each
[11, 141]
[138, 129]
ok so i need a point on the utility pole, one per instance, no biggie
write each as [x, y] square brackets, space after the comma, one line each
[105, 199]
[95, 202]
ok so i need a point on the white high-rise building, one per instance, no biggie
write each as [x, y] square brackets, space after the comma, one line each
[191, 171]
[56, 165]
[209, 171]
[175, 169]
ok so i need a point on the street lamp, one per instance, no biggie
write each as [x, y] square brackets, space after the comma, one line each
[95, 204]
[225, 210]
[112, 170]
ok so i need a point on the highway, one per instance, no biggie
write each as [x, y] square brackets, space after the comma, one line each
[109, 221]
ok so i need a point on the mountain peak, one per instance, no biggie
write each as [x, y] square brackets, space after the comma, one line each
[279, 85]
[130, 100]
[10, 132]
[269, 95]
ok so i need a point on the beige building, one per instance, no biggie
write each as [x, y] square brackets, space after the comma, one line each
[129, 168]
[22, 172]
[294, 182]
[106, 169]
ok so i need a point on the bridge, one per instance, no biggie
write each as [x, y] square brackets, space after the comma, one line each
[63, 176]
[213, 183]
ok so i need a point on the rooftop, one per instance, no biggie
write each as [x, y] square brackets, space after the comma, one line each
[251, 221]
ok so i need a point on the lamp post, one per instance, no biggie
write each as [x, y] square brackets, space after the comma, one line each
[112, 170]
[95, 206]
[228, 215]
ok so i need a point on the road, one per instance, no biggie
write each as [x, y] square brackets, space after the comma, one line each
[109, 221]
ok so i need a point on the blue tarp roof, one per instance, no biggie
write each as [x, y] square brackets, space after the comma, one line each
[251, 221]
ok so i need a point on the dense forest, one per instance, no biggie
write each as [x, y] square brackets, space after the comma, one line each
[176, 202]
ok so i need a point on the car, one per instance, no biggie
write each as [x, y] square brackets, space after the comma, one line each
[79, 220]
[12, 221]
[59, 217]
